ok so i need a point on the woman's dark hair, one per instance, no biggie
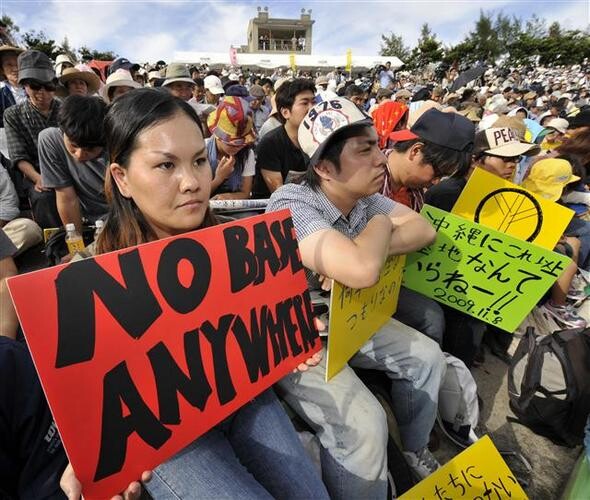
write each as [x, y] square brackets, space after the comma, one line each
[288, 92]
[127, 117]
[332, 152]
[444, 161]
[577, 148]
[81, 119]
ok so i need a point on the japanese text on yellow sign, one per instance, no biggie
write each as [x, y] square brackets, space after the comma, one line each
[356, 314]
[511, 209]
[484, 273]
[479, 472]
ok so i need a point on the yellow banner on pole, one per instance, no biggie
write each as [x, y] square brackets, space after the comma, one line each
[356, 314]
[292, 62]
[477, 472]
[349, 60]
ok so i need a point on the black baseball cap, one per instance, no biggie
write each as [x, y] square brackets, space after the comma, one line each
[582, 119]
[449, 130]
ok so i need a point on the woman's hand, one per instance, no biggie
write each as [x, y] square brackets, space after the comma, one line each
[73, 488]
[225, 167]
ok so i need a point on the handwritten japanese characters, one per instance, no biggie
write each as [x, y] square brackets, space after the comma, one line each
[499, 204]
[478, 473]
[143, 350]
[492, 276]
[356, 314]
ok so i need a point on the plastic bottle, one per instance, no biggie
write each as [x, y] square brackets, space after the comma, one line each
[99, 224]
[74, 240]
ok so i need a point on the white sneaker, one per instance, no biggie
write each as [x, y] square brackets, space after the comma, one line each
[421, 462]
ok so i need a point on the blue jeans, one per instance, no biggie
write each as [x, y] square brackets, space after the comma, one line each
[254, 454]
[349, 421]
[421, 313]
[580, 228]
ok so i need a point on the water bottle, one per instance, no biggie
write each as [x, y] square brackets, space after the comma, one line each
[99, 225]
[74, 240]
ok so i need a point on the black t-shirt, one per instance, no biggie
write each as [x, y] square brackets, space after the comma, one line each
[444, 195]
[32, 458]
[277, 153]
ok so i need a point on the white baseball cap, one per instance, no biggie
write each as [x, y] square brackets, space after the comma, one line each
[213, 84]
[324, 120]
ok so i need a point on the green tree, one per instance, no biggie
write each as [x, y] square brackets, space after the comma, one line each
[393, 45]
[86, 53]
[38, 40]
[484, 38]
[554, 30]
[9, 31]
[65, 48]
[536, 27]
[429, 49]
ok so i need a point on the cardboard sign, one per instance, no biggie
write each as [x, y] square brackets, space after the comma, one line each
[141, 351]
[477, 472]
[356, 314]
[497, 203]
[489, 275]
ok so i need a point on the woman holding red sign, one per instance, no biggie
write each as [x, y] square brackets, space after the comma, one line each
[158, 185]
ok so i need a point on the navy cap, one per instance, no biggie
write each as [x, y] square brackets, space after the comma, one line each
[449, 130]
[121, 63]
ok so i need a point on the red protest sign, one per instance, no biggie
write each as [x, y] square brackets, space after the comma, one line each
[141, 351]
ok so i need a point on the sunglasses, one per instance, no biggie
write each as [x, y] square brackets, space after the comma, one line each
[507, 159]
[36, 86]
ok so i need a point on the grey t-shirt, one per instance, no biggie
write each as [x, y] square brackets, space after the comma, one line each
[59, 169]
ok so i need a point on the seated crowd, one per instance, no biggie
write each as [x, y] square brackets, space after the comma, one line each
[76, 150]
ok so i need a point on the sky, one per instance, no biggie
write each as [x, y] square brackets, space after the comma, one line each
[145, 30]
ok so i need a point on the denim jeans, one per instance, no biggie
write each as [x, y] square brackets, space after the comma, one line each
[421, 313]
[580, 228]
[254, 454]
[349, 421]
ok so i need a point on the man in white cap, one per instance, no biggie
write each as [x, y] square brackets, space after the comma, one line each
[213, 89]
[346, 230]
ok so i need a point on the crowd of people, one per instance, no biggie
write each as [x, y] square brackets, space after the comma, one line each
[354, 159]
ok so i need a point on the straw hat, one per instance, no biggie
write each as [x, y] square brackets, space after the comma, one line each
[120, 78]
[89, 77]
[177, 72]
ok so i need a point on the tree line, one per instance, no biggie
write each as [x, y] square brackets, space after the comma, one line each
[38, 40]
[496, 40]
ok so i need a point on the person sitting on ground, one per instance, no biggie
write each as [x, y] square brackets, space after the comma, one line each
[23, 123]
[436, 146]
[22, 231]
[79, 82]
[346, 230]
[278, 152]
[229, 149]
[73, 160]
[118, 83]
[260, 112]
[213, 89]
[11, 92]
[158, 184]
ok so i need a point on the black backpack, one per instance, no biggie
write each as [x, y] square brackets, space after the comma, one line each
[549, 384]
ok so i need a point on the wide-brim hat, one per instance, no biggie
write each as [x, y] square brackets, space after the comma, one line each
[232, 122]
[547, 178]
[7, 49]
[60, 60]
[35, 65]
[89, 77]
[176, 72]
[120, 78]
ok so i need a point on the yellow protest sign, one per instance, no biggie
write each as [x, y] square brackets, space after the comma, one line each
[477, 472]
[356, 314]
[506, 207]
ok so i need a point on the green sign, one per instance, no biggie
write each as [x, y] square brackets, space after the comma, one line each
[489, 275]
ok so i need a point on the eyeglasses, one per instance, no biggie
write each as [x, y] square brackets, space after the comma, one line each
[507, 159]
[36, 86]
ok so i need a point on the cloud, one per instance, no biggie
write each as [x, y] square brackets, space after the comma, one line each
[150, 30]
